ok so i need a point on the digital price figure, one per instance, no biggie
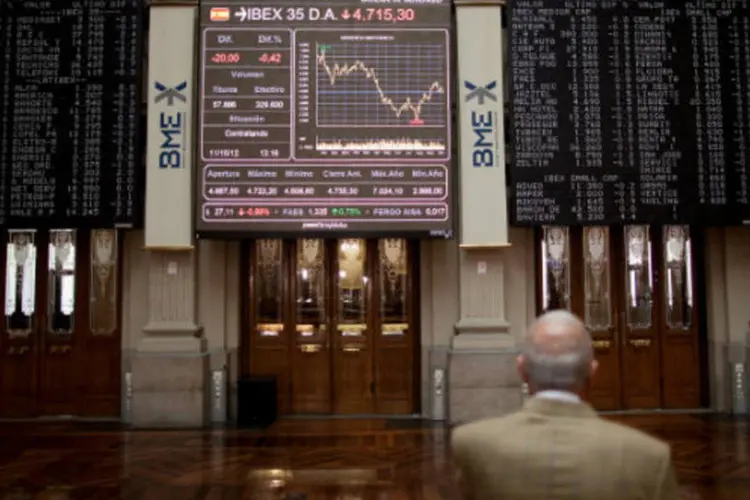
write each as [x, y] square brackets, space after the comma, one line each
[382, 14]
[325, 116]
[224, 57]
[239, 59]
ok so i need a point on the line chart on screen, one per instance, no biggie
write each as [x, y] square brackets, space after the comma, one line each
[379, 85]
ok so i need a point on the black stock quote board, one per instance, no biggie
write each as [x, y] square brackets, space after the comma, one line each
[630, 112]
[70, 151]
[325, 117]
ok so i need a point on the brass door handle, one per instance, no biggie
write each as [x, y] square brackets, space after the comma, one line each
[602, 344]
[18, 351]
[310, 348]
[394, 329]
[350, 348]
[640, 342]
[351, 330]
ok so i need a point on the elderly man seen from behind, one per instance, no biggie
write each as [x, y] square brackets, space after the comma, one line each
[556, 447]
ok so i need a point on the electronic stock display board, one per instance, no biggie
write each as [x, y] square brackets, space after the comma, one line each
[626, 112]
[70, 114]
[325, 117]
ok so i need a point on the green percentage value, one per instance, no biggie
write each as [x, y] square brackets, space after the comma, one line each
[346, 212]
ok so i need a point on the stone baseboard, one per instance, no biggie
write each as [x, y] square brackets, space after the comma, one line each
[483, 384]
[170, 390]
[470, 404]
[729, 377]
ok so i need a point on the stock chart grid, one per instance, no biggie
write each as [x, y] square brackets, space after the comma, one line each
[382, 83]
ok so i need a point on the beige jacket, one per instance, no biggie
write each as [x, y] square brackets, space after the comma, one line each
[556, 450]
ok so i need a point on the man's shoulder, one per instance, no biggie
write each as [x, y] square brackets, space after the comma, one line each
[613, 431]
[479, 428]
[636, 439]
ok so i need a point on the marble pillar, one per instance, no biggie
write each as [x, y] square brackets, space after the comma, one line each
[482, 378]
[170, 365]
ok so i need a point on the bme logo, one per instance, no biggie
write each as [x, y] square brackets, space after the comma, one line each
[483, 124]
[480, 93]
[170, 94]
[171, 125]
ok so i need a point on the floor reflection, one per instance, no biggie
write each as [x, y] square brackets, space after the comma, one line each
[308, 460]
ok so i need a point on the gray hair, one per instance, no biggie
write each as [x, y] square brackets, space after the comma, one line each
[566, 366]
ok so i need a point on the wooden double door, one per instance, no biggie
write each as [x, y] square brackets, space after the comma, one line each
[60, 335]
[334, 321]
[635, 287]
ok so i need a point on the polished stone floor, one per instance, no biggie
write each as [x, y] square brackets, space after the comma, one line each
[309, 459]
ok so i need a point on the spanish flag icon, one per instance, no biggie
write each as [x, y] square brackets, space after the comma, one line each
[219, 14]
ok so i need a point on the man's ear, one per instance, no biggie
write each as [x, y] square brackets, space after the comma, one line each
[593, 367]
[521, 366]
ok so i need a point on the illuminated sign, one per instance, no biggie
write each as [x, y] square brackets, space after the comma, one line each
[332, 117]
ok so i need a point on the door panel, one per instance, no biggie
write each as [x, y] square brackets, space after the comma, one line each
[641, 370]
[61, 349]
[270, 330]
[556, 269]
[599, 315]
[311, 358]
[394, 347]
[100, 393]
[681, 379]
[634, 288]
[20, 343]
[60, 342]
[353, 349]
